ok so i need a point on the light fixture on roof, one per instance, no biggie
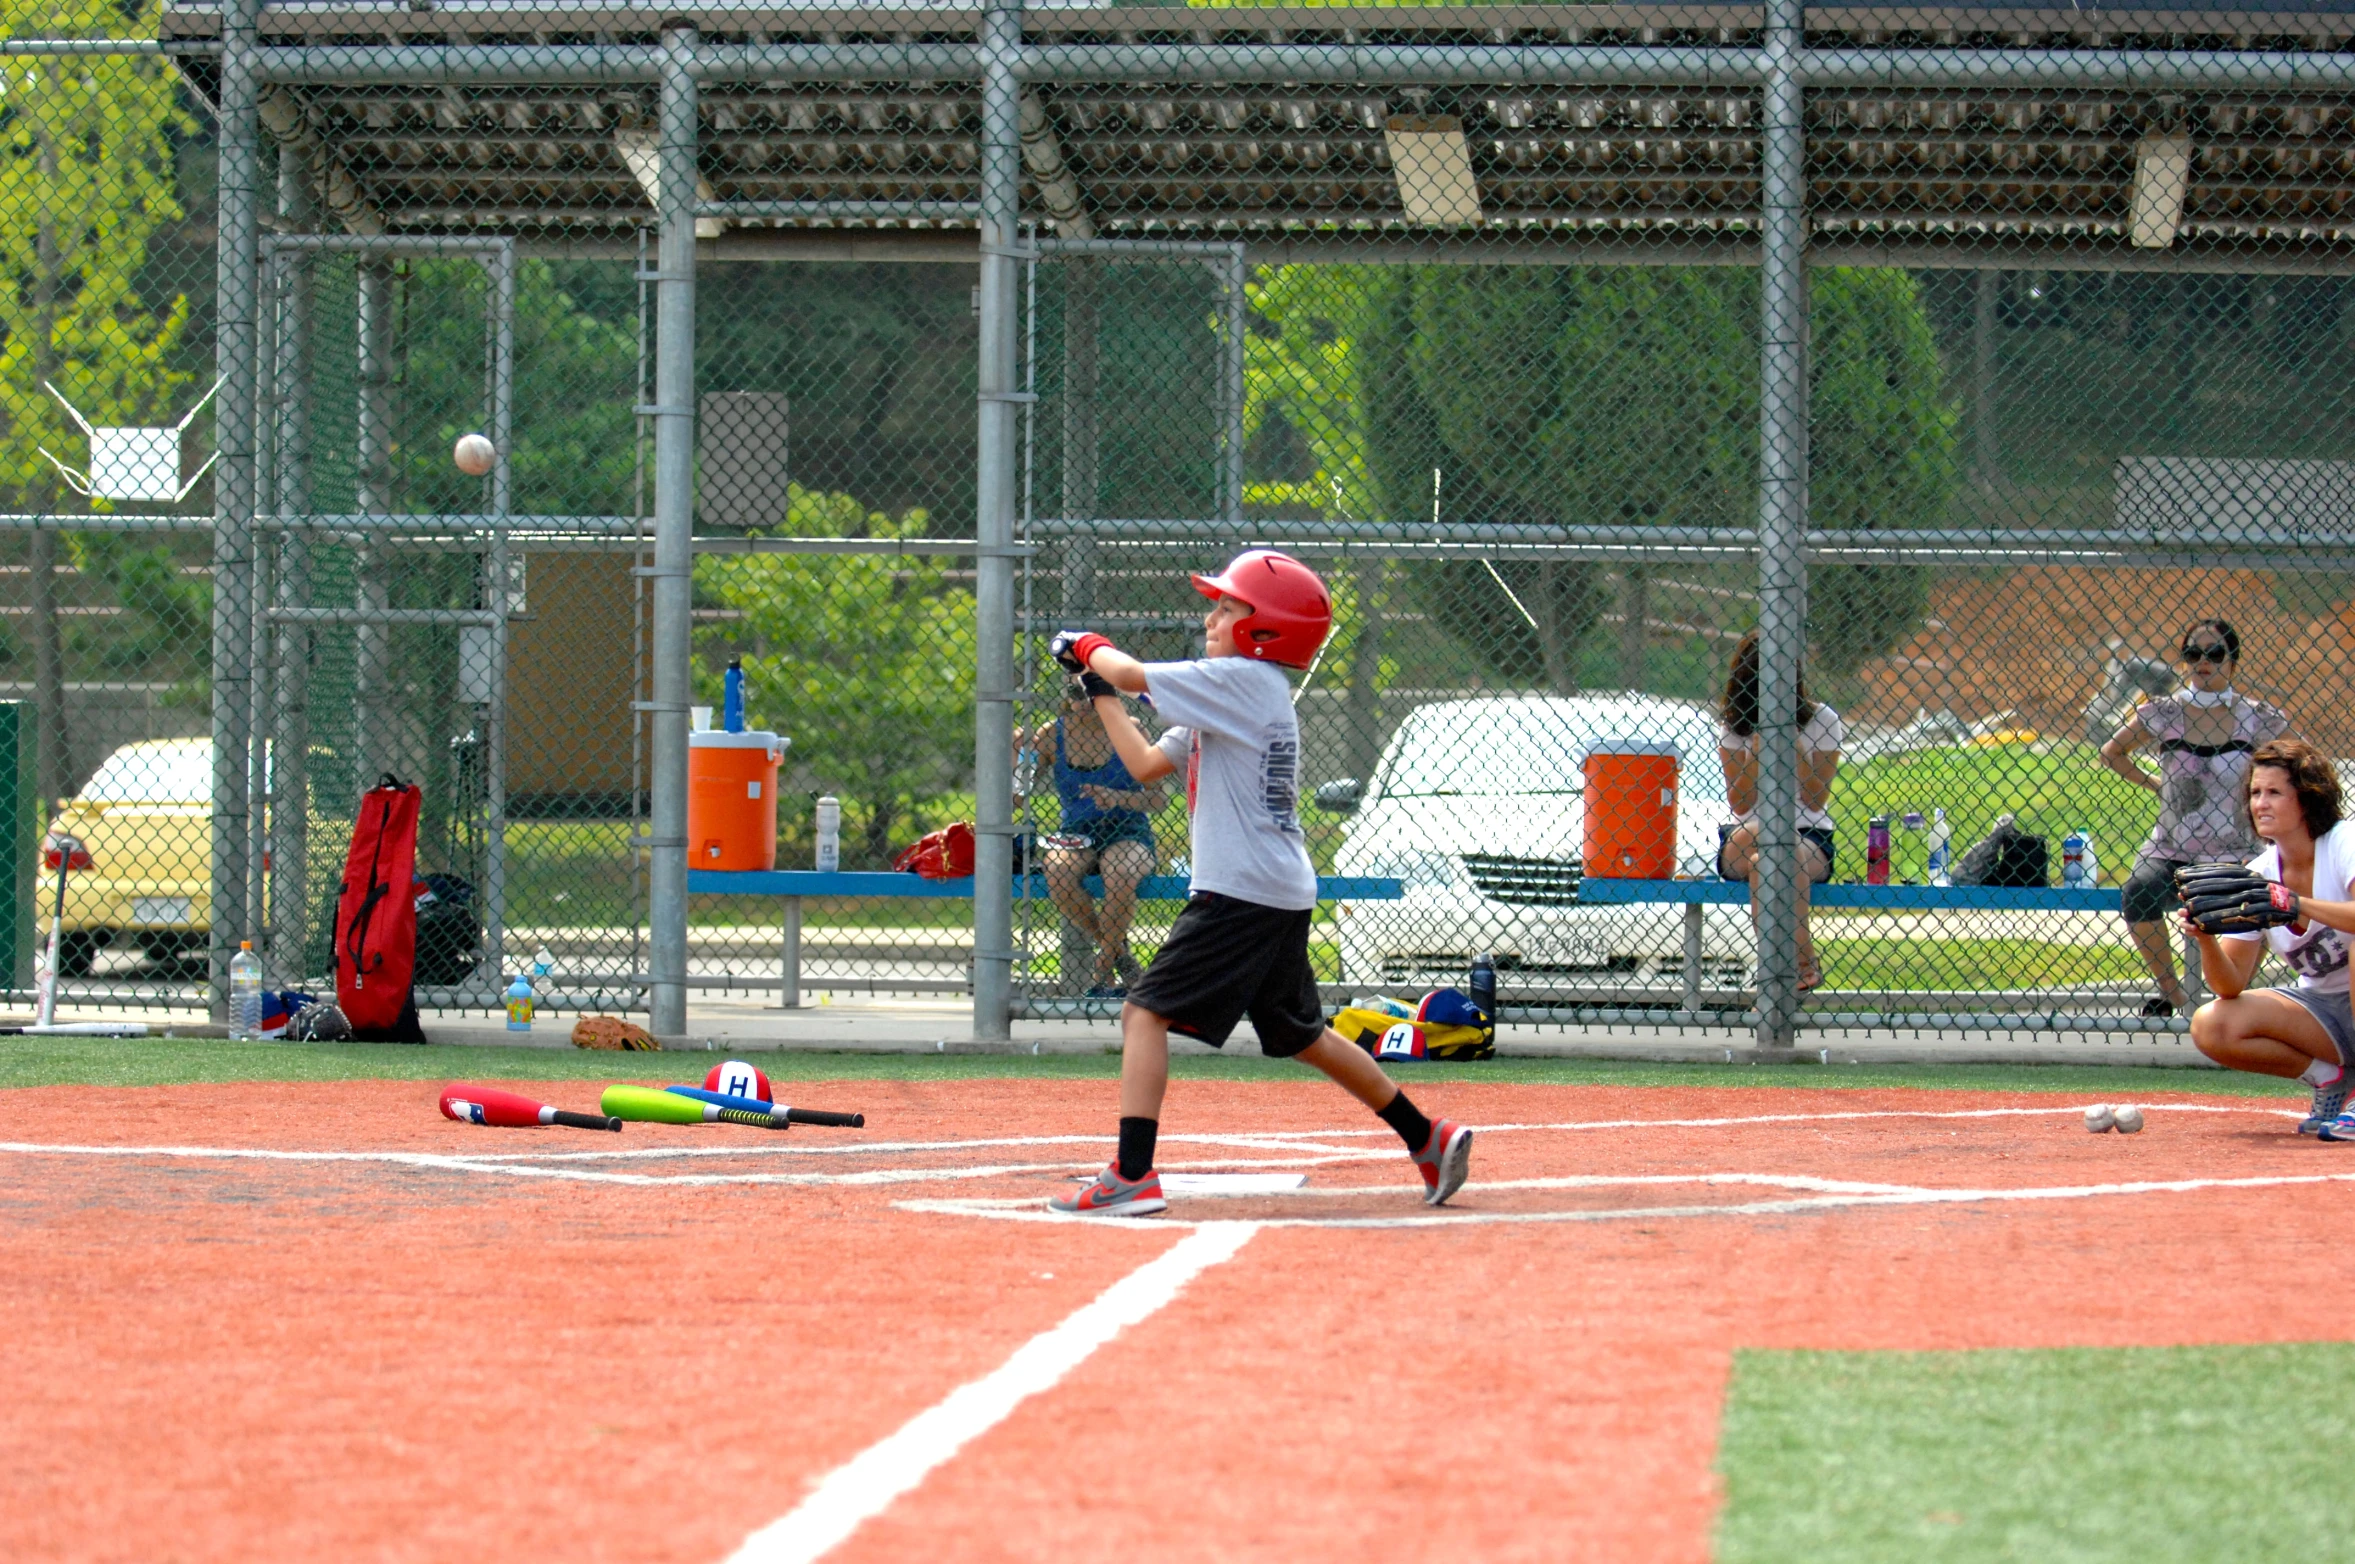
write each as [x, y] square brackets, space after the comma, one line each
[2162, 179]
[641, 150]
[137, 464]
[1433, 167]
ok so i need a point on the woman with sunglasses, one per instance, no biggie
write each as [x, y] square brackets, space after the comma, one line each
[2205, 733]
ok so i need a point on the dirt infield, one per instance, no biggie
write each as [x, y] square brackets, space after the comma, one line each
[421, 1340]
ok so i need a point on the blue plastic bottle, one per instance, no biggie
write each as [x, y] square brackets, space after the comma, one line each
[732, 697]
[521, 1002]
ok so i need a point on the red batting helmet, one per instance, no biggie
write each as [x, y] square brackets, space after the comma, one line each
[1291, 613]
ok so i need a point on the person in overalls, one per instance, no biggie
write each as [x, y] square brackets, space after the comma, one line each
[1107, 830]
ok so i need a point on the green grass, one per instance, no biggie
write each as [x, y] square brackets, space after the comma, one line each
[2136, 1455]
[104, 1061]
[2052, 786]
[1928, 962]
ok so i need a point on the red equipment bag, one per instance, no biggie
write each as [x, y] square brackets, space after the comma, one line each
[947, 854]
[376, 917]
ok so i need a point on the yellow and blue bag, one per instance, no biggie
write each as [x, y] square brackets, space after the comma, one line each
[1445, 1025]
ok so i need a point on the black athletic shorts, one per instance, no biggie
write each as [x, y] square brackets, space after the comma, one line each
[2149, 892]
[1227, 959]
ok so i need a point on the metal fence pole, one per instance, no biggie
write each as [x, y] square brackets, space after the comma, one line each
[993, 705]
[1782, 521]
[286, 760]
[372, 495]
[499, 573]
[233, 483]
[674, 526]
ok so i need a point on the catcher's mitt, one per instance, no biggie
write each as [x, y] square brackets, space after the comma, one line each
[2241, 903]
[613, 1034]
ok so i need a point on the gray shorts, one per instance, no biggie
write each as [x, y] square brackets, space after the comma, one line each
[2331, 1010]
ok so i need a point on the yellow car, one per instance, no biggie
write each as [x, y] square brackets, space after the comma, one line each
[144, 823]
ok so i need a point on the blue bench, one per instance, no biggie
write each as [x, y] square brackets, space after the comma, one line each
[793, 886]
[1873, 898]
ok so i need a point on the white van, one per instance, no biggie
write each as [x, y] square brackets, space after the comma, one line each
[1477, 807]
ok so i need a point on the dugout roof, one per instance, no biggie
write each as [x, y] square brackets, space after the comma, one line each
[2012, 176]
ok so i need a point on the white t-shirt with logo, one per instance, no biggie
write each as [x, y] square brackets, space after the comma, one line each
[2318, 955]
[1822, 733]
[1233, 732]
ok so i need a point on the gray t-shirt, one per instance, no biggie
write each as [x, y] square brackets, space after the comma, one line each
[1233, 733]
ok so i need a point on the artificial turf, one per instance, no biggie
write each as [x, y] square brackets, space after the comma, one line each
[2136, 1454]
[146, 1061]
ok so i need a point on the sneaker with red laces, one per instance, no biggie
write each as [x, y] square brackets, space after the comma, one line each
[1445, 1161]
[1112, 1195]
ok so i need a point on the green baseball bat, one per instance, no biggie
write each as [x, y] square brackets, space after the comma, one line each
[658, 1107]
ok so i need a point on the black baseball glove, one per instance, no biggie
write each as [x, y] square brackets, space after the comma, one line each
[2240, 903]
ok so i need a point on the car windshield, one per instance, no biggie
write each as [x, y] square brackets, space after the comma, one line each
[154, 774]
[1504, 749]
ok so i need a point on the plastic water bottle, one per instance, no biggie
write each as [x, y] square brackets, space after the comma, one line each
[732, 696]
[1876, 850]
[521, 1002]
[1483, 985]
[245, 993]
[2093, 867]
[2073, 861]
[829, 834]
[1941, 845]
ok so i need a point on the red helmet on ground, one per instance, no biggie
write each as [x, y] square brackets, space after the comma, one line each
[1291, 612]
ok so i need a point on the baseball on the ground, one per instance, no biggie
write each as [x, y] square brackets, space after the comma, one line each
[474, 454]
[2100, 1117]
[2128, 1119]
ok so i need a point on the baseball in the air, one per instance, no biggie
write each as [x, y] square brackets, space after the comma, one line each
[2128, 1119]
[474, 454]
[2101, 1117]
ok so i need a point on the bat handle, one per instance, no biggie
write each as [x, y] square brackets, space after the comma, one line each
[586, 1121]
[840, 1121]
[759, 1121]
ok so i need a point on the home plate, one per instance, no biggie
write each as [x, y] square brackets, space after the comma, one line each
[1232, 1183]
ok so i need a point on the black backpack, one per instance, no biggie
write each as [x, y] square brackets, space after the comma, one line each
[449, 935]
[2006, 856]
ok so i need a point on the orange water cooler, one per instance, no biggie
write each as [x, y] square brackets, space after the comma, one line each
[732, 799]
[1631, 811]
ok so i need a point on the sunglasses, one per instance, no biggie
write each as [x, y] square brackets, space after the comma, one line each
[2206, 654]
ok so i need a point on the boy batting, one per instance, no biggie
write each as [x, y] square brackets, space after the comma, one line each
[1240, 947]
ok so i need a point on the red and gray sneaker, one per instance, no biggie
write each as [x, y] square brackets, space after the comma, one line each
[1445, 1161]
[1112, 1195]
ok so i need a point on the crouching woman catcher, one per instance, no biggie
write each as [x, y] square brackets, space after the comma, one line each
[1240, 947]
[2298, 898]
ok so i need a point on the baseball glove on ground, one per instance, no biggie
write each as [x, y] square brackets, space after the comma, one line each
[613, 1034]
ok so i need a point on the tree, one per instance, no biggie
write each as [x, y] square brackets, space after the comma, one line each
[87, 147]
[1617, 396]
[865, 661]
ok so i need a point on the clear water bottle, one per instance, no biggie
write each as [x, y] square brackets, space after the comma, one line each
[521, 1003]
[1483, 985]
[245, 993]
[1941, 847]
[829, 834]
[2093, 864]
[2073, 861]
[542, 964]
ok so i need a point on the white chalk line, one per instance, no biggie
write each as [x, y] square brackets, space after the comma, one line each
[1860, 1196]
[867, 1484]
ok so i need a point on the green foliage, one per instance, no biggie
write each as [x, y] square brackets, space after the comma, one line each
[86, 180]
[865, 661]
[2135, 1454]
[1598, 396]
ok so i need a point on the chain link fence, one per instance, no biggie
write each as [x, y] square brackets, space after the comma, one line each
[1769, 465]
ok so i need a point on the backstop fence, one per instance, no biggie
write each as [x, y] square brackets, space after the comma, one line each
[1783, 476]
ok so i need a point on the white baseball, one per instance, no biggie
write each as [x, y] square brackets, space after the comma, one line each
[2101, 1117]
[2128, 1118]
[474, 454]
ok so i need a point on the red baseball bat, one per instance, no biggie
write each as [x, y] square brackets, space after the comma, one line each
[470, 1104]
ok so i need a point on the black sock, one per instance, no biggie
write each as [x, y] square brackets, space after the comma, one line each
[1404, 1117]
[1136, 1147]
